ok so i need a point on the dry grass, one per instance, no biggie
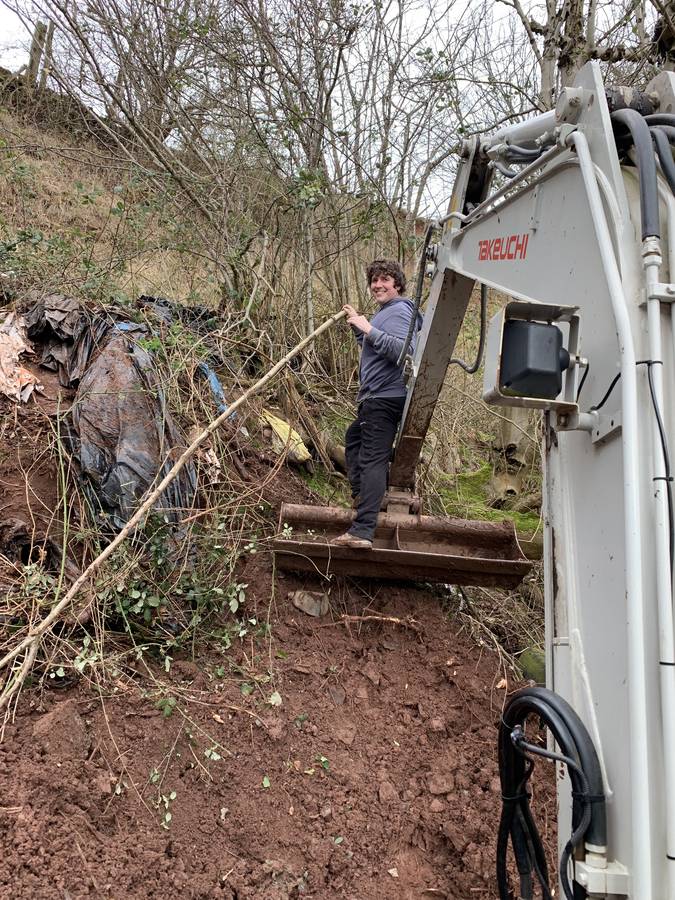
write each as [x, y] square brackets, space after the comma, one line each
[92, 206]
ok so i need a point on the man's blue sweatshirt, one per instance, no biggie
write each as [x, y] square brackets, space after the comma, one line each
[378, 373]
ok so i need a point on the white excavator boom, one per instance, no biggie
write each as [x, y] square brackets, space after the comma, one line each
[579, 229]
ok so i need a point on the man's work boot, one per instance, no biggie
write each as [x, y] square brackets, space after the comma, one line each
[352, 541]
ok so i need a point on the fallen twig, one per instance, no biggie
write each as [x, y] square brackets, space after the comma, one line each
[408, 622]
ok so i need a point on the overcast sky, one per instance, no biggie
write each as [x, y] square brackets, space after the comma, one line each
[13, 40]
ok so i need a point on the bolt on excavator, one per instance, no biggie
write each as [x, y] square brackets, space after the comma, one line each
[572, 215]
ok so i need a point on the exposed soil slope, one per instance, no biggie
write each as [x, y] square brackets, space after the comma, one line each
[374, 778]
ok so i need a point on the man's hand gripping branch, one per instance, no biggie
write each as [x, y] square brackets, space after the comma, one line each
[356, 320]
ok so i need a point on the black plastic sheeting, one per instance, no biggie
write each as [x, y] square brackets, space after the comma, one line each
[120, 431]
[198, 319]
[67, 334]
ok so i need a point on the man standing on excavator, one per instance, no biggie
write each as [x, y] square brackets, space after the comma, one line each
[381, 396]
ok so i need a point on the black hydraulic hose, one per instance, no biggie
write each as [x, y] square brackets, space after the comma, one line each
[667, 127]
[527, 847]
[632, 121]
[418, 294]
[564, 738]
[538, 853]
[475, 366]
[517, 736]
[588, 758]
[660, 119]
[536, 850]
[664, 154]
[668, 130]
[517, 159]
[515, 770]
[505, 171]
[523, 851]
[577, 750]
[525, 152]
[516, 822]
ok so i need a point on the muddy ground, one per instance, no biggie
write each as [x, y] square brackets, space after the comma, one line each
[374, 778]
[348, 756]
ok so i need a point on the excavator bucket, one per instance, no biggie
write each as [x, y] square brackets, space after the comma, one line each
[406, 548]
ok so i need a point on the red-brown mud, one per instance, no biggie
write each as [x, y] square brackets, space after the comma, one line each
[30, 519]
[375, 777]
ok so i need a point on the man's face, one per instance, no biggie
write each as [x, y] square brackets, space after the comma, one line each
[383, 289]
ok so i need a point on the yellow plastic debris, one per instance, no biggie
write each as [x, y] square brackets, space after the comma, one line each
[285, 439]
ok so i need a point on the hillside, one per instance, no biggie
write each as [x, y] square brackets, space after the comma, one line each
[338, 758]
[186, 728]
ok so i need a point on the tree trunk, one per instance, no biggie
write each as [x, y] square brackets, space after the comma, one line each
[573, 43]
[36, 50]
[47, 60]
[309, 260]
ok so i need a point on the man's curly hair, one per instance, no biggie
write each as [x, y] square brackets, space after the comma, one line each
[387, 267]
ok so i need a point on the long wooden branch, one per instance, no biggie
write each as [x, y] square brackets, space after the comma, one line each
[31, 642]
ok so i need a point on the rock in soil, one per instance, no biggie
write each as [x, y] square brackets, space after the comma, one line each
[62, 734]
[388, 793]
[441, 784]
[310, 602]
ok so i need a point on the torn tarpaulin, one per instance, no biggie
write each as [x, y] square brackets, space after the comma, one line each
[198, 319]
[122, 432]
[67, 333]
[16, 381]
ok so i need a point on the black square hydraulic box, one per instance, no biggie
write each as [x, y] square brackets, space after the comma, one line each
[533, 359]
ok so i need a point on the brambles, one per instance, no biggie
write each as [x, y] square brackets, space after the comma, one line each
[322, 761]
[167, 705]
[212, 754]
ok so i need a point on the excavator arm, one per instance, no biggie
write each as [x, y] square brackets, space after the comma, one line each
[449, 297]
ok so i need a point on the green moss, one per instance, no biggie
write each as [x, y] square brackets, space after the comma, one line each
[331, 488]
[532, 662]
[466, 496]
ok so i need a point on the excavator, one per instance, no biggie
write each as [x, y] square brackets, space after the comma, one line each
[571, 214]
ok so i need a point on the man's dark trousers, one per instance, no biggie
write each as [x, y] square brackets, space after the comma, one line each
[368, 444]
